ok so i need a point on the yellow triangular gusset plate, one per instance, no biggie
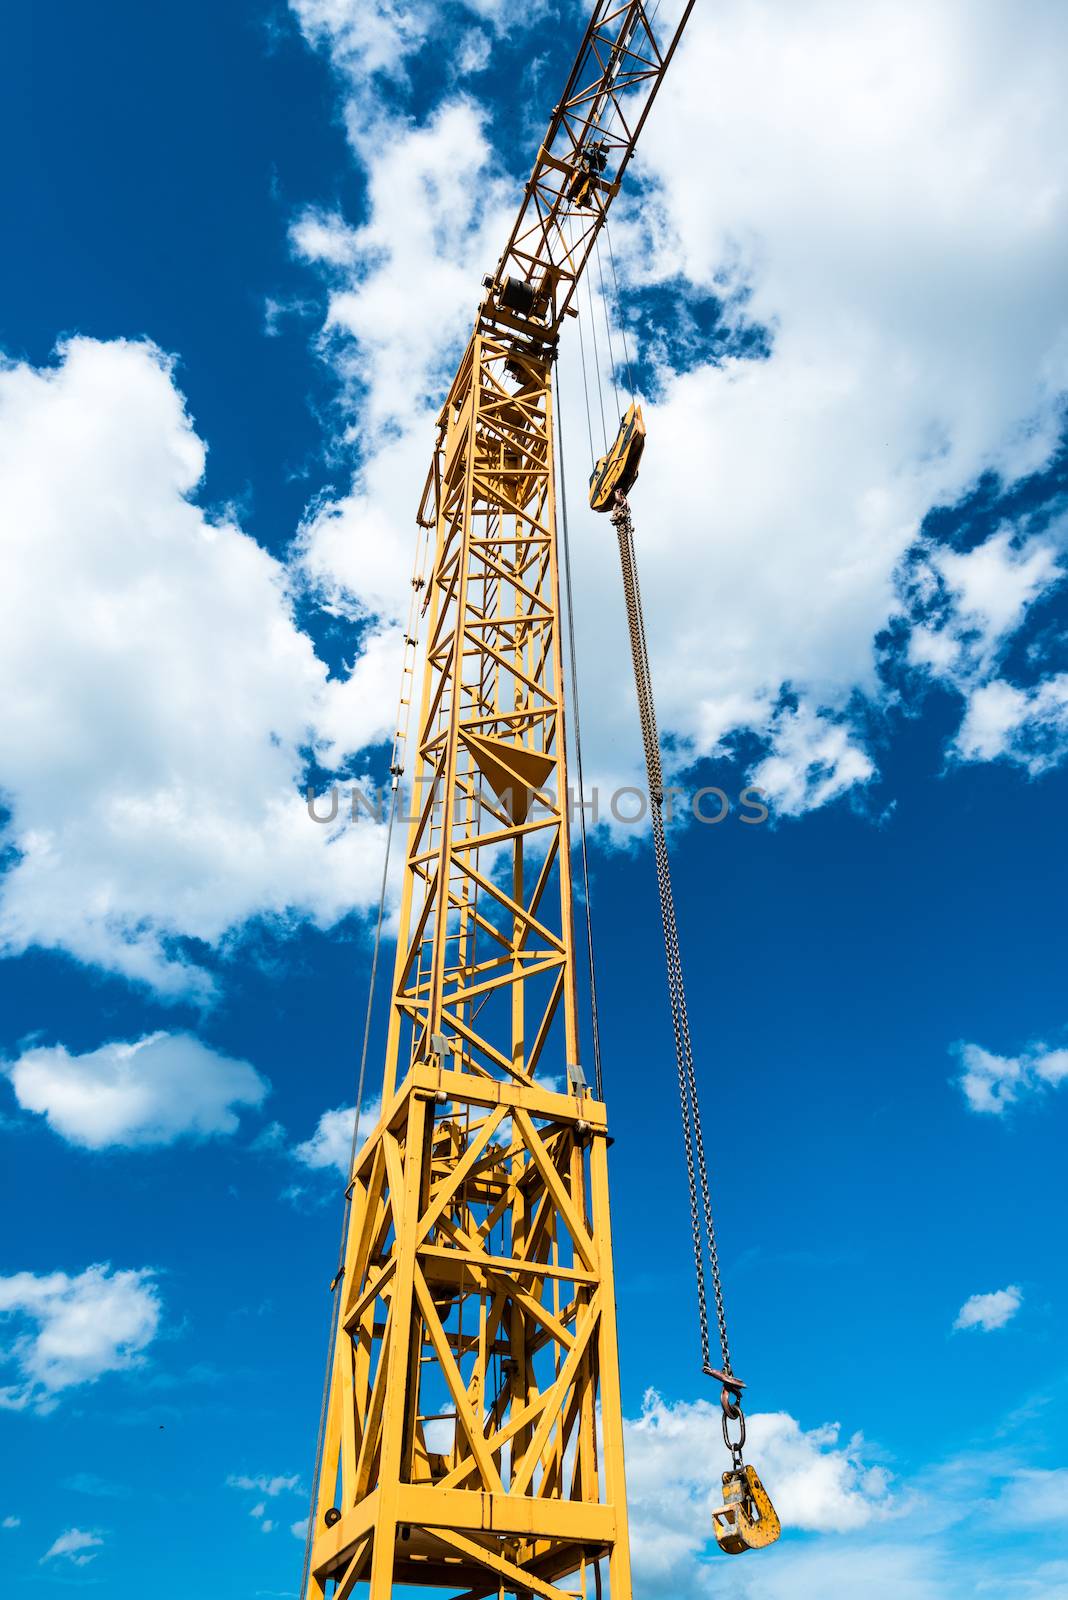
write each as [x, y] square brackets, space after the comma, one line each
[513, 772]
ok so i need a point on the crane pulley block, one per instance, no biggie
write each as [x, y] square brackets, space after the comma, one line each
[616, 472]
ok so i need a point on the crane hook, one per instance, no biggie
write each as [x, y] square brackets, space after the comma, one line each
[747, 1519]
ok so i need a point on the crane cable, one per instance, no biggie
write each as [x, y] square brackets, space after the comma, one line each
[573, 674]
[397, 760]
[693, 1138]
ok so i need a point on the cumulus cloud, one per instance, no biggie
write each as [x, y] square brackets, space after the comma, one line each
[814, 758]
[152, 758]
[435, 218]
[674, 1467]
[889, 388]
[1028, 727]
[966, 610]
[148, 1092]
[330, 1146]
[976, 600]
[75, 1546]
[366, 38]
[989, 1311]
[903, 252]
[991, 1083]
[70, 1330]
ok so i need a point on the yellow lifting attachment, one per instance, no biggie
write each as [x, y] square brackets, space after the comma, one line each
[616, 472]
[746, 1520]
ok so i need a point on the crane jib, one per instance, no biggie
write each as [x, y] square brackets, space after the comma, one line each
[587, 147]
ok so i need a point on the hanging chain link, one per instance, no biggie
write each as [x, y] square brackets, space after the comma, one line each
[693, 1139]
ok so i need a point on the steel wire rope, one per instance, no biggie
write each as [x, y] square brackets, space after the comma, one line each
[619, 313]
[573, 666]
[608, 326]
[597, 363]
[396, 770]
[582, 355]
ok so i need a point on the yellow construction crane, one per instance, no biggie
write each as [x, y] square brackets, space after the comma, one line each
[471, 1437]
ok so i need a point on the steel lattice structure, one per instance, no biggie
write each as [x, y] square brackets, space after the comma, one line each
[473, 1431]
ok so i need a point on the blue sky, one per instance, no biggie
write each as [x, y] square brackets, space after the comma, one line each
[245, 244]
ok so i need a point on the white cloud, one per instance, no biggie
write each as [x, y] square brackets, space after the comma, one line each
[331, 1143]
[986, 593]
[867, 178]
[474, 52]
[72, 1330]
[1025, 726]
[968, 606]
[674, 1469]
[435, 219]
[924, 1541]
[990, 1083]
[11, 1522]
[299, 1530]
[363, 38]
[888, 205]
[148, 1092]
[989, 1311]
[280, 1483]
[813, 759]
[77, 1547]
[153, 755]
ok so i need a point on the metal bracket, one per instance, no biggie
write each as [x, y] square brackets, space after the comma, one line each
[576, 1078]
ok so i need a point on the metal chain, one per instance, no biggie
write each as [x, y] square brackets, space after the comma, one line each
[693, 1138]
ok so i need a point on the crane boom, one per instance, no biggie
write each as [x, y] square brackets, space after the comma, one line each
[579, 167]
[472, 1432]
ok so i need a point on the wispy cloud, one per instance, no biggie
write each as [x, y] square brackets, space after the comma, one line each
[280, 1483]
[75, 1546]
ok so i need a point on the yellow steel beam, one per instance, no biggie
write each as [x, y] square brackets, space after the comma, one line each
[474, 1226]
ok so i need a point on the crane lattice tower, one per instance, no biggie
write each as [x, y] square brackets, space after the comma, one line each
[473, 1435]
